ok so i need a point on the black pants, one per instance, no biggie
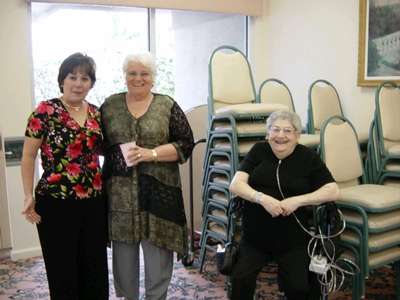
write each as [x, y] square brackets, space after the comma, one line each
[297, 282]
[73, 236]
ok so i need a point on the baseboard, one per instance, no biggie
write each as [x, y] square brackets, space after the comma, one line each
[25, 253]
[5, 253]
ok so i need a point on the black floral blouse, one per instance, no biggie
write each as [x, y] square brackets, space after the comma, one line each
[69, 152]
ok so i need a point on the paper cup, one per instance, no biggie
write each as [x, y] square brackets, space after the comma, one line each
[125, 150]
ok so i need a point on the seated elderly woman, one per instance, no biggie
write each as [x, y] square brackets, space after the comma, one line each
[278, 178]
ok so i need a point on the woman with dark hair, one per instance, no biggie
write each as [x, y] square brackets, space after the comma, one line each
[68, 206]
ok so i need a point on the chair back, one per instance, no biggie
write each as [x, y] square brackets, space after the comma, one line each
[387, 105]
[341, 152]
[230, 79]
[275, 91]
[323, 102]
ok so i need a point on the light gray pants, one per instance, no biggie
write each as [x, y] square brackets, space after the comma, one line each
[158, 265]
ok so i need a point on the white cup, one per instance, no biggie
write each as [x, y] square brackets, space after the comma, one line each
[125, 150]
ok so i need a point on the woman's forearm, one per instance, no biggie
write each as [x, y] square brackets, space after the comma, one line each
[165, 152]
[28, 174]
[240, 187]
[328, 192]
[29, 153]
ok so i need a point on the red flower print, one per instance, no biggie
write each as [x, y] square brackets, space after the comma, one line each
[97, 181]
[81, 136]
[92, 124]
[91, 142]
[72, 124]
[45, 108]
[73, 169]
[35, 124]
[50, 109]
[64, 117]
[53, 178]
[93, 165]
[41, 109]
[80, 191]
[47, 150]
[74, 150]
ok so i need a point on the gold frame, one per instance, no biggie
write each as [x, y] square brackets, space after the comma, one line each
[361, 78]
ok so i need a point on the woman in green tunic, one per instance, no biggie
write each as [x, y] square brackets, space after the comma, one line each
[146, 135]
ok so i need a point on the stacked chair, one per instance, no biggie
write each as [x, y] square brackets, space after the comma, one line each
[236, 123]
[324, 102]
[371, 211]
[275, 91]
[383, 162]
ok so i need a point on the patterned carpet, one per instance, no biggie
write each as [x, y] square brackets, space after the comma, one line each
[26, 280]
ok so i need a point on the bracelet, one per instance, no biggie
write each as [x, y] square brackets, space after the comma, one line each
[155, 155]
[257, 197]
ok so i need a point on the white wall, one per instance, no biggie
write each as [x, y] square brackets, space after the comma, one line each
[301, 41]
[296, 41]
[15, 105]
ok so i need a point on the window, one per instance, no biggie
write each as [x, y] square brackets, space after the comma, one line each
[185, 46]
[182, 42]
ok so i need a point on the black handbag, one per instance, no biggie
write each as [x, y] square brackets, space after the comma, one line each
[227, 258]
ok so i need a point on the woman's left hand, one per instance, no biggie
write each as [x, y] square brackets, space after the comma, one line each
[289, 205]
[139, 154]
[29, 211]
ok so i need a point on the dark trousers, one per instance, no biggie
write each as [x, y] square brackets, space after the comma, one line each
[295, 279]
[73, 236]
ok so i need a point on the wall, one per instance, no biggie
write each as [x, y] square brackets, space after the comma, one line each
[15, 104]
[302, 41]
[296, 41]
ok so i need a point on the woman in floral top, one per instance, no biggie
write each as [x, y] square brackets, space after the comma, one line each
[68, 206]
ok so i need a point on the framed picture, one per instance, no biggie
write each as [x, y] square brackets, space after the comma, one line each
[379, 42]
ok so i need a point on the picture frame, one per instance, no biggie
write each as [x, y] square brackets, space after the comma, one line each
[379, 42]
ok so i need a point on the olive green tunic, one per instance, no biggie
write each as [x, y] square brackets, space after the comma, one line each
[133, 192]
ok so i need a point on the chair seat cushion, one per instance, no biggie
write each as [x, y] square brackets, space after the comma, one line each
[221, 180]
[376, 241]
[309, 140]
[250, 108]
[371, 197]
[380, 258]
[394, 150]
[254, 128]
[220, 197]
[243, 146]
[392, 167]
[376, 221]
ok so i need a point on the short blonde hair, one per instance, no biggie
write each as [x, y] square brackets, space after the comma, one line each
[146, 59]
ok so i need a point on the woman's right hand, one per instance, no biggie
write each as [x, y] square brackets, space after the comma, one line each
[271, 205]
[29, 210]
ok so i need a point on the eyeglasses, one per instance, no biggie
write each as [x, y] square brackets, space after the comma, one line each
[286, 130]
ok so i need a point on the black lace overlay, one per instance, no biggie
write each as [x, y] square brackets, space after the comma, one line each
[165, 202]
[114, 163]
[180, 131]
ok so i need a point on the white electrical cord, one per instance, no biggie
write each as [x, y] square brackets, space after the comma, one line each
[332, 278]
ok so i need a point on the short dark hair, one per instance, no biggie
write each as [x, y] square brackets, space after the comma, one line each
[73, 62]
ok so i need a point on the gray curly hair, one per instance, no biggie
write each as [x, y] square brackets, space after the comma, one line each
[292, 117]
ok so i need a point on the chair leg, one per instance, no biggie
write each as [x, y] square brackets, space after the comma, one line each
[203, 251]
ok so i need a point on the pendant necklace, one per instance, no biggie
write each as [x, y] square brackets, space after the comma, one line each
[75, 108]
